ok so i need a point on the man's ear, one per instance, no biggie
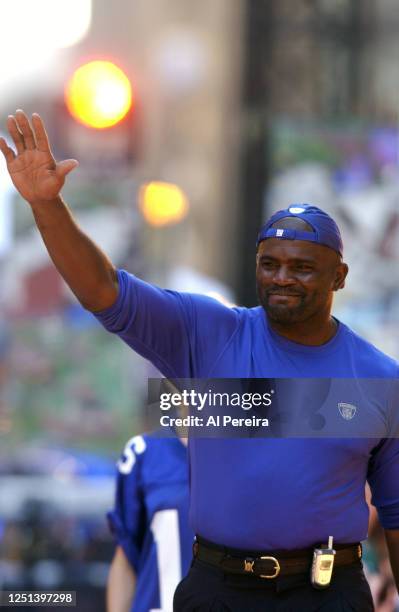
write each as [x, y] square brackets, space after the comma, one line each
[340, 276]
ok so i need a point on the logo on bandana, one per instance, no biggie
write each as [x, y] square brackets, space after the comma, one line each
[296, 210]
[347, 411]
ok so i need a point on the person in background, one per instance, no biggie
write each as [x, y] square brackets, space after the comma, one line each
[376, 563]
[150, 525]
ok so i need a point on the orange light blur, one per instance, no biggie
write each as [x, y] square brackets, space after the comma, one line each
[162, 203]
[99, 94]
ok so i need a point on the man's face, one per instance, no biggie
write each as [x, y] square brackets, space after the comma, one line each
[296, 279]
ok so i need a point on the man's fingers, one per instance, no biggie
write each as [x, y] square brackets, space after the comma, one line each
[42, 142]
[6, 150]
[66, 166]
[15, 134]
[25, 128]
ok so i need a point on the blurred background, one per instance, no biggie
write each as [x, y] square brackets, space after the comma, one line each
[192, 121]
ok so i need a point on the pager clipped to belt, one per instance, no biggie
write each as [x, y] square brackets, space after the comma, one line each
[322, 565]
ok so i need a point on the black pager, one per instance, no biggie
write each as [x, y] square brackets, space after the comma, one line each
[322, 565]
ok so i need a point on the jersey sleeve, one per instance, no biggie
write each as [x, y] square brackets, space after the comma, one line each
[383, 472]
[182, 334]
[127, 520]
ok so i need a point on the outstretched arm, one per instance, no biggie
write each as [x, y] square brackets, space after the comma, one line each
[39, 179]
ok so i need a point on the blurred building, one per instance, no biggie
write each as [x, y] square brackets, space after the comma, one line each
[185, 63]
[320, 125]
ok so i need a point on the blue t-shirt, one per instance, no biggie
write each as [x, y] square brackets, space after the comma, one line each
[263, 494]
[150, 517]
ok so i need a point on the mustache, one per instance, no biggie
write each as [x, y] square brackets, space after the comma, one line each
[283, 291]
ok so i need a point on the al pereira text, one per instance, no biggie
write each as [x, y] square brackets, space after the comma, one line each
[212, 421]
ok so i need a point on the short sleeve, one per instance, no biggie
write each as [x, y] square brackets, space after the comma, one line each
[127, 520]
[383, 478]
[180, 333]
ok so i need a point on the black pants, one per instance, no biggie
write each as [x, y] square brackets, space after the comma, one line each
[208, 589]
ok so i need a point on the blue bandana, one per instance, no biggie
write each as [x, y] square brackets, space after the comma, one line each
[325, 230]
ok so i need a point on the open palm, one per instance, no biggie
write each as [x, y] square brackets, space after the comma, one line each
[33, 169]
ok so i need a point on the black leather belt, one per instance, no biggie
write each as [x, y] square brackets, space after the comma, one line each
[269, 565]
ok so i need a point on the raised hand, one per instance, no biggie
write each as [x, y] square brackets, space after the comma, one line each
[33, 169]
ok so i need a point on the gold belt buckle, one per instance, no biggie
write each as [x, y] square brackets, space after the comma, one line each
[276, 569]
[249, 566]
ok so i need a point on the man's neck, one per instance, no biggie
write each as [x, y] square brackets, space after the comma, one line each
[310, 333]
